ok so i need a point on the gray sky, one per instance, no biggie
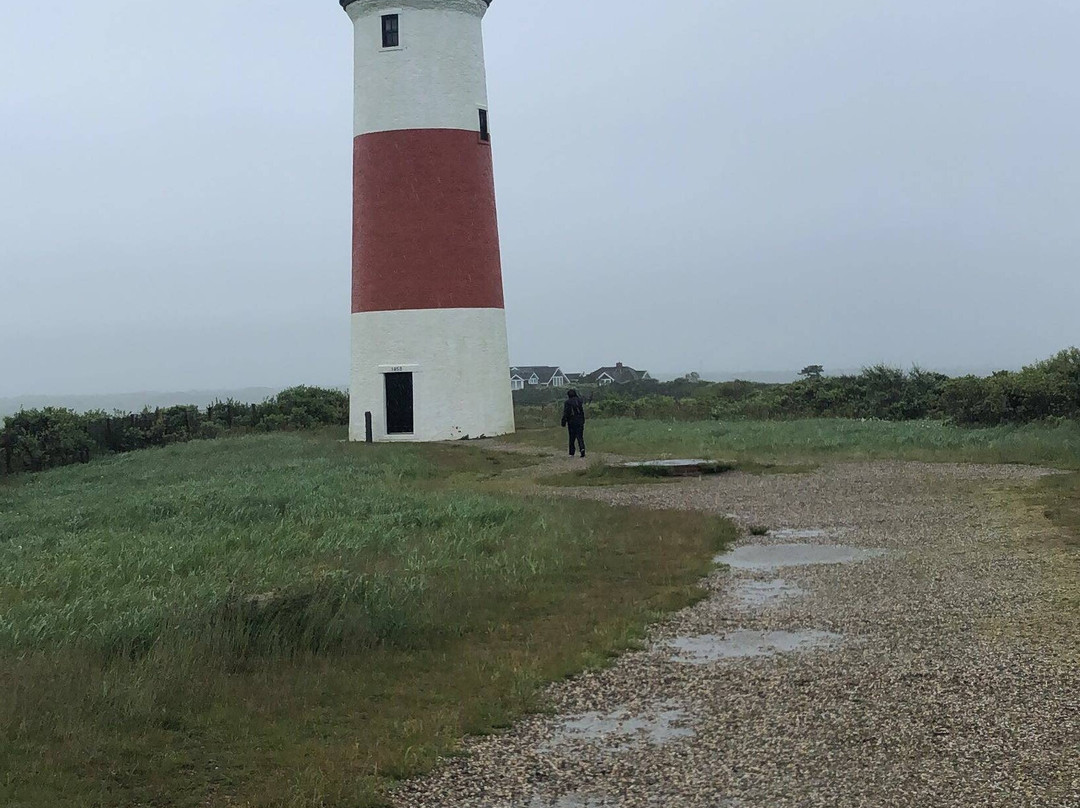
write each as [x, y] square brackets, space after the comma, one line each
[707, 184]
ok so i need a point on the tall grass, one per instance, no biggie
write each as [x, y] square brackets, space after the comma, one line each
[824, 439]
[265, 543]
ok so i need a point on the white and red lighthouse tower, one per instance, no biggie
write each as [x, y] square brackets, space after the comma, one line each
[429, 351]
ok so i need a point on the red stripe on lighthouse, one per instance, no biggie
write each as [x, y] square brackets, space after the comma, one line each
[425, 233]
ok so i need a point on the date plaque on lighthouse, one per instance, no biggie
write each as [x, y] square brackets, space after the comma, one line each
[429, 351]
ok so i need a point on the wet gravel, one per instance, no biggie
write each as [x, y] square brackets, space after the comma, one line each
[925, 675]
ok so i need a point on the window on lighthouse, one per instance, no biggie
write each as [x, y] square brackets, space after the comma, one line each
[485, 133]
[390, 37]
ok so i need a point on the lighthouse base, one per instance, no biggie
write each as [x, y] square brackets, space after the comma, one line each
[430, 375]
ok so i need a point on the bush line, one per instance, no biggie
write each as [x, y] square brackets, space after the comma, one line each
[1044, 391]
[40, 439]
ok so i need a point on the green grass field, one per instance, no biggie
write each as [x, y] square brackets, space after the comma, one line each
[795, 442]
[288, 620]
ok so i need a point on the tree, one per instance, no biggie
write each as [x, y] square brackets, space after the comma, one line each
[812, 371]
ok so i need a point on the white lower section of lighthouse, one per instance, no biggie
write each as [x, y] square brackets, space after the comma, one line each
[440, 374]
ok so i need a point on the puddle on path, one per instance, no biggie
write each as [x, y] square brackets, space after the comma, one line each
[579, 800]
[800, 533]
[667, 464]
[739, 644]
[776, 556]
[569, 801]
[764, 593]
[679, 468]
[662, 724]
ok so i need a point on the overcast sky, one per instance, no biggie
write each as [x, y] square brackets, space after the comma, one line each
[708, 184]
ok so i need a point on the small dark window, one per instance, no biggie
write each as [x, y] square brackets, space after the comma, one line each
[485, 134]
[390, 38]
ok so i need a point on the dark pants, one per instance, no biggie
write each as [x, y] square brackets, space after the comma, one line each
[577, 435]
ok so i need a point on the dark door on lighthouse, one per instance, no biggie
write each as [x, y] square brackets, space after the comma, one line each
[399, 403]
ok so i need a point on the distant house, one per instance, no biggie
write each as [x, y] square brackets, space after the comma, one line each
[574, 378]
[536, 376]
[619, 374]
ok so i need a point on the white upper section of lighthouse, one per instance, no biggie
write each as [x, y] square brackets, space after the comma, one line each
[433, 79]
[478, 7]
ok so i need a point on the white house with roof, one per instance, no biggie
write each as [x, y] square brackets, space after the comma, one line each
[617, 374]
[536, 376]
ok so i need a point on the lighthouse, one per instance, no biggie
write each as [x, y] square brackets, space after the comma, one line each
[429, 351]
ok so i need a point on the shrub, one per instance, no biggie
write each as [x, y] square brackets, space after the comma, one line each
[611, 408]
[653, 407]
[306, 407]
[35, 440]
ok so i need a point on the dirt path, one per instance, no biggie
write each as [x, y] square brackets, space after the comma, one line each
[930, 668]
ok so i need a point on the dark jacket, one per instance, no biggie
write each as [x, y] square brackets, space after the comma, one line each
[573, 412]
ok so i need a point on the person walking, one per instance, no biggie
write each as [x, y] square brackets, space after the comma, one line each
[573, 418]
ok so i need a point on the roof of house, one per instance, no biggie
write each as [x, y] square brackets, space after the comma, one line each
[619, 373]
[545, 373]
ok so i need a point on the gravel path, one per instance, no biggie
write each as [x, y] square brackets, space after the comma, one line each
[927, 669]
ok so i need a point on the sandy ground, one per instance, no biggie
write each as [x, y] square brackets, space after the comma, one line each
[896, 639]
